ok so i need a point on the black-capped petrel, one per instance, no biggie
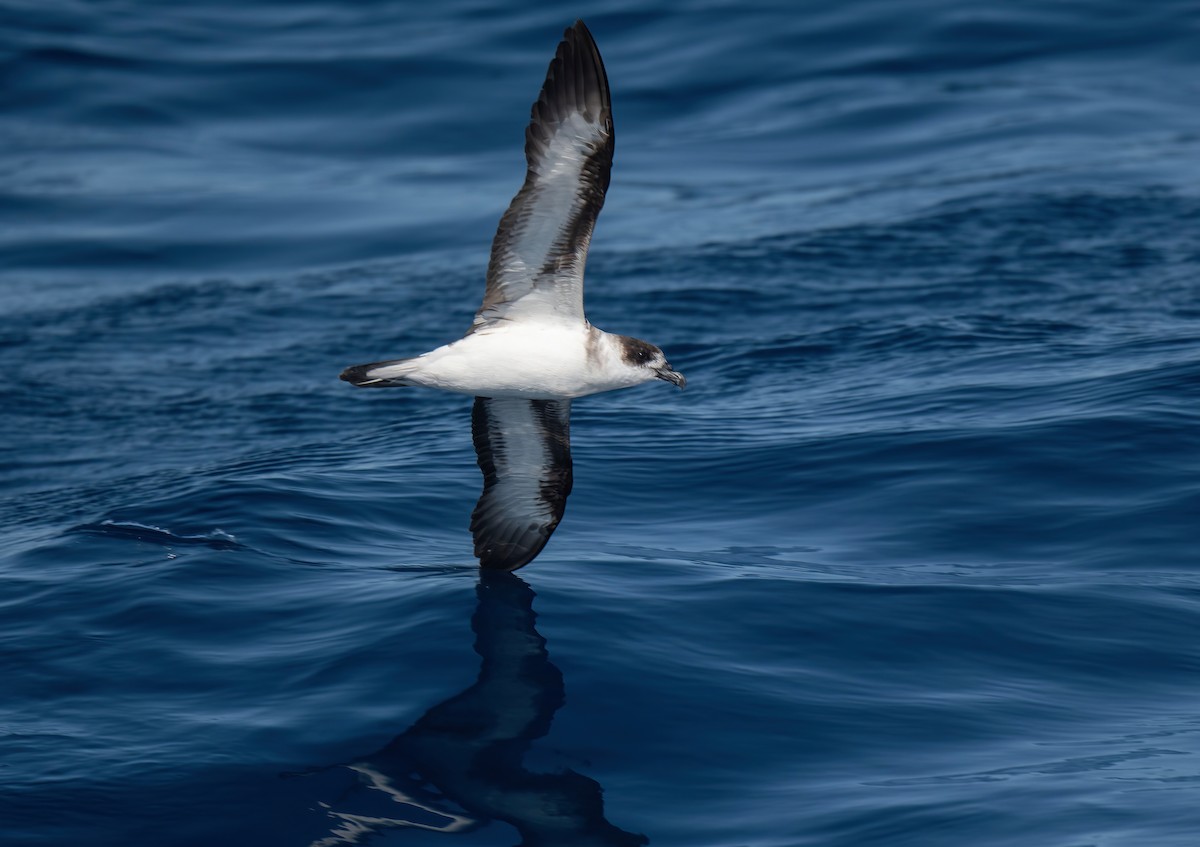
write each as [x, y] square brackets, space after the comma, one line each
[530, 350]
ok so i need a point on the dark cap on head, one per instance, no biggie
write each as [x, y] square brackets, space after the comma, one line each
[637, 352]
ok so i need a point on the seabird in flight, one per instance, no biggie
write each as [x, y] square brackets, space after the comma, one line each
[530, 350]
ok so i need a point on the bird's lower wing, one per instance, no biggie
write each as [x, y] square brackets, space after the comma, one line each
[524, 451]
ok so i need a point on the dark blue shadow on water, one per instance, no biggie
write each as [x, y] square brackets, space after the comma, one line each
[461, 765]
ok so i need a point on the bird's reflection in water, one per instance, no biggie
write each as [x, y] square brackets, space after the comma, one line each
[460, 765]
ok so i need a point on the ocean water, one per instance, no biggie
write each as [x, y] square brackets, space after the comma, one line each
[911, 562]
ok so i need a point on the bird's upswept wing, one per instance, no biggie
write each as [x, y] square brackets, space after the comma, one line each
[538, 255]
[524, 451]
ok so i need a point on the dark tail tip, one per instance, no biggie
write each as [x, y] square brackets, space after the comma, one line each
[357, 375]
[369, 376]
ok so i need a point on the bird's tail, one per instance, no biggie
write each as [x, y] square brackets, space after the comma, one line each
[380, 374]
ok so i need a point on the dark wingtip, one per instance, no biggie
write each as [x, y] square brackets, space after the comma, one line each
[586, 63]
[509, 554]
[575, 81]
[506, 557]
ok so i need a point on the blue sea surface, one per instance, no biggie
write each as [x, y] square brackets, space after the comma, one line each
[913, 561]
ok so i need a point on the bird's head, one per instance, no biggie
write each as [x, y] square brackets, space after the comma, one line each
[644, 356]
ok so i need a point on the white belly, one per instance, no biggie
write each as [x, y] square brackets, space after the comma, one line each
[534, 362]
